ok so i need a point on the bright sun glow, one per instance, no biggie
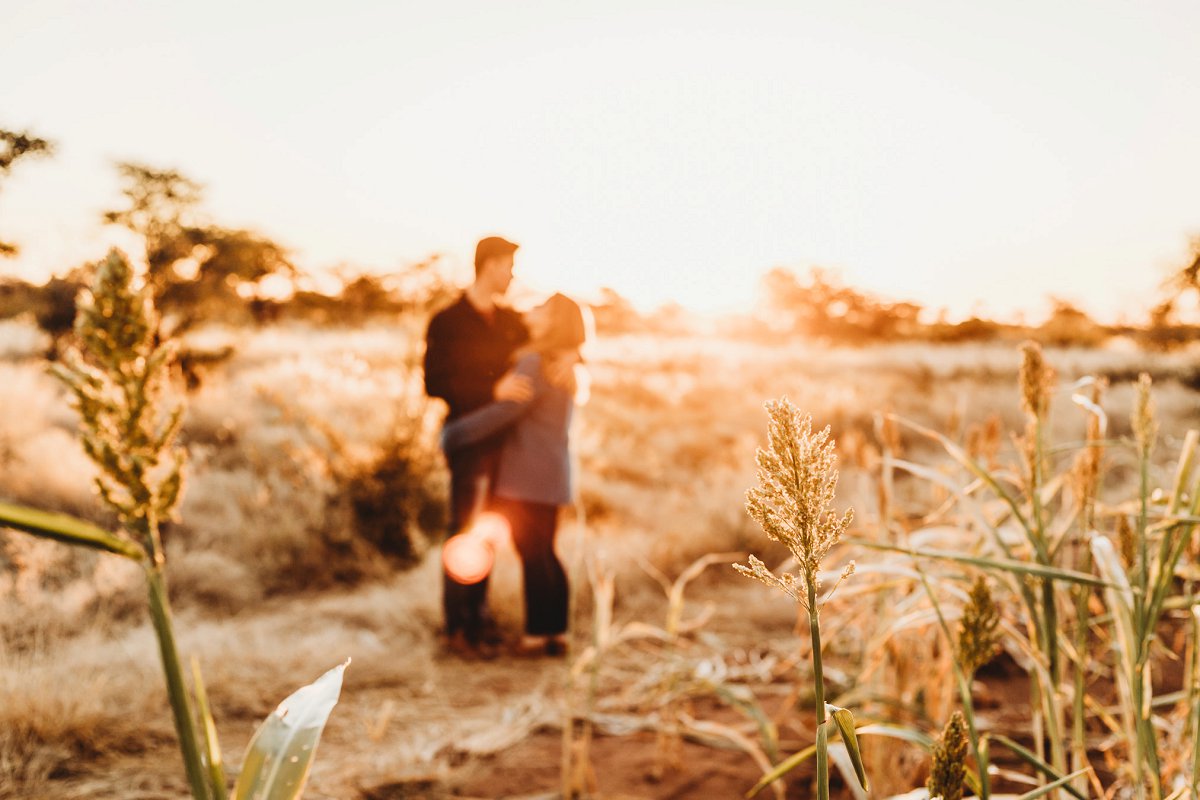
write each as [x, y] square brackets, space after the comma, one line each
[951, 153]
[470, 555]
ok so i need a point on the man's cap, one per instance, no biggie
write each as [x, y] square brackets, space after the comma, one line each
[493, 246]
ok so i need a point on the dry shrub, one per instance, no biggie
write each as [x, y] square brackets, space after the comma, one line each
[63, 704]
[214, 581]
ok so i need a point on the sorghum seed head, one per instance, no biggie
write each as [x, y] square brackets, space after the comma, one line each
[949, 767]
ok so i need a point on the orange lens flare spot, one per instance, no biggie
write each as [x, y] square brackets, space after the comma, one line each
[469, 556]
[467, 559]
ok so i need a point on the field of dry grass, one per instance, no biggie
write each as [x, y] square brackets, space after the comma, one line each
[275, 578]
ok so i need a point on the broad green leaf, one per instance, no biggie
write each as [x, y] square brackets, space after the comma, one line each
[280, 754]
[844, 720]
[65, 528]
[212, 747]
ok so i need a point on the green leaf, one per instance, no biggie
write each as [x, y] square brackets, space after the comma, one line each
[280, 754]
[65, 528]
[1050, 787]
[1007, 565]
[212, 747]
[912, 735]
[1041, 766]
[844, 720]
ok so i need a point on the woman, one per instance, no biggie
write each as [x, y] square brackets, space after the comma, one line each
[533, 477]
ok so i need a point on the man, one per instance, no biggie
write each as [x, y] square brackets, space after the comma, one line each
[468, 352]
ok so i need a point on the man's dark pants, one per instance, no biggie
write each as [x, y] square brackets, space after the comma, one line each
[471, 473]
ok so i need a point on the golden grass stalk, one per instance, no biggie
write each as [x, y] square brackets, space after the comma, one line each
[118, 378]
[797, 482]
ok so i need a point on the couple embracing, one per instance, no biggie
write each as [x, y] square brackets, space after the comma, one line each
[509, 382]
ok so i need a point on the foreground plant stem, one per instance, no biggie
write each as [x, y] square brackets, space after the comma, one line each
[814, 629]
[177, 693]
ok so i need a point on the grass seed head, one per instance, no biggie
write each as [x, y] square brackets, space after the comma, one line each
[949, 766]
[1037, 380]
[1085, 472]
[118, 376]
[797, 477]
[1126, 542]
[979, 629]
[1144, 426]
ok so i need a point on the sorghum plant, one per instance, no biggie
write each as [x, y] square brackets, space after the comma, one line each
[797, 476]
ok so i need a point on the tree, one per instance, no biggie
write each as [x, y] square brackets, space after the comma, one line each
[14, 146]
[195, 270]
[1070, 326]
[821, 306]
[1183, 282]
[614, 314]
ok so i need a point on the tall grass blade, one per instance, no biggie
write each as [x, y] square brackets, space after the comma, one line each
[280, 753]
[67, 529]
[1030, 758]
[212, 747]
[1050, 787]
[1006, 565]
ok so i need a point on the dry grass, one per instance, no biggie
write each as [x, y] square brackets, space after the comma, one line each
[666, 449]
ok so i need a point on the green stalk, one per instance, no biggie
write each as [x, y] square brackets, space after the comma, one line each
[177, 694]
[1194, 703]
[1049, 641]
[814, 629]
[1078, 734]
[1144, 738]
[964, 691]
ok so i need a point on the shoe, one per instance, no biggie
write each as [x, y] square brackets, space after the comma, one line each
[531, 646]
[490, 633]
[460, 645]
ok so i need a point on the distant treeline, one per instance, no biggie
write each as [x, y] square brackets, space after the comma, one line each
[818, 306]
[814, 307]
[202, 272]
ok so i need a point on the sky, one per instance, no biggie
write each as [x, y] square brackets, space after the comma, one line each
[974, 156]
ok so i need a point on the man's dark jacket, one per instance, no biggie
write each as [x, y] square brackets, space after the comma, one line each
[465, 354]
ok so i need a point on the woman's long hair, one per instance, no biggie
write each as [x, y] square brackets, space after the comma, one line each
[565, 337]
[567, 331]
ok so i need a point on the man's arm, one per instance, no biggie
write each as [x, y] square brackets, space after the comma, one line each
[438, 367]
[494, 417]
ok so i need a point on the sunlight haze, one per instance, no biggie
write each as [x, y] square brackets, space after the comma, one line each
[972, 156]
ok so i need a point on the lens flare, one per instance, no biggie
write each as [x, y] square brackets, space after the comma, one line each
[469, 556]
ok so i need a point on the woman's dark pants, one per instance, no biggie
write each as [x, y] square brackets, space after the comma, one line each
[533, 529]
[465, 605]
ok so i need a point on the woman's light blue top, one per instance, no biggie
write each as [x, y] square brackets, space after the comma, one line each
[535, 462]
